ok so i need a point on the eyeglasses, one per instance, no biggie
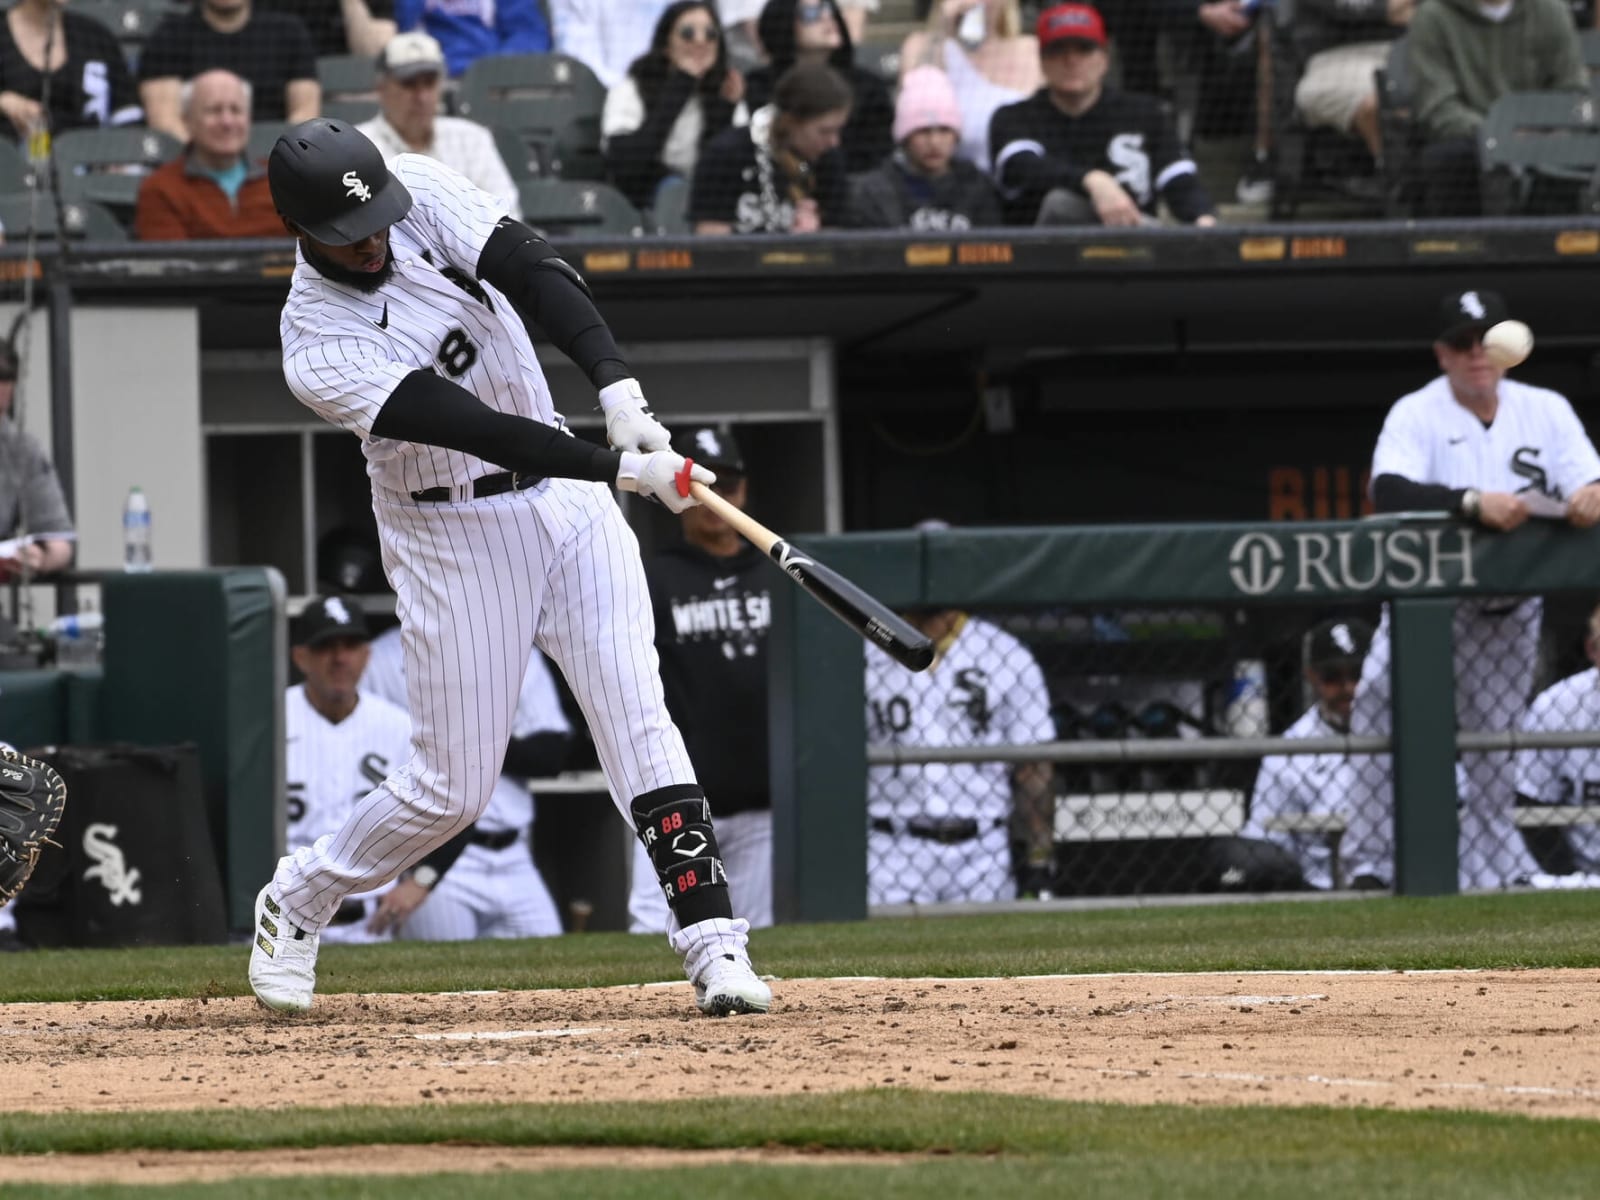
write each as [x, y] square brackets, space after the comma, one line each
[698, 33]
[810, 14]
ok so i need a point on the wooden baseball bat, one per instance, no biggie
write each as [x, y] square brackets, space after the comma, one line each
[870, 618]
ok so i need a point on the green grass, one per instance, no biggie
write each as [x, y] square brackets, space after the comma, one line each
[985, 1145]
[1552, 929]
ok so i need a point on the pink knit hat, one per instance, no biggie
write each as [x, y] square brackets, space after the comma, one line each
[926, 99]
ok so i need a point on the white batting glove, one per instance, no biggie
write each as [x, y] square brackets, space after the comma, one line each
[630, 425]
[663, 477]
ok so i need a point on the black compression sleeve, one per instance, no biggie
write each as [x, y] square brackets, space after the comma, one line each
[536, 756]
[442, 857]
[429, 409]
[548, 292]
[1396, 493]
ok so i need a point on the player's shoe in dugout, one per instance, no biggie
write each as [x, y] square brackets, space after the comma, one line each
[283, 959]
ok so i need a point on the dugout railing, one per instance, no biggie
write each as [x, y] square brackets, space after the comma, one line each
[1247, 589]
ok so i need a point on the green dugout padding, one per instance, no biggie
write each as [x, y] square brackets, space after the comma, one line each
[199, 656]
[49, 708]
[1420, 562]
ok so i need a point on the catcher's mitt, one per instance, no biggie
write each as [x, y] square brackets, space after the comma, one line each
[32, 797]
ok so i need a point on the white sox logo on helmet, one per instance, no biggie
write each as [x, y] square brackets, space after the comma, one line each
[357, 189]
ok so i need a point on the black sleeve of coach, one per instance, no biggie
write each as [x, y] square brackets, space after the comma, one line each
[1396, 493]
[429, 409]
[548, 292]
[441, 858]
[537, 756]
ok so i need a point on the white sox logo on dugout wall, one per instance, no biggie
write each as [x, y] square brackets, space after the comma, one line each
[1355, 561]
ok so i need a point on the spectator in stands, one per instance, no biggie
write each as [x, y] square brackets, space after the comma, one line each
[674, 99]
[1569, 776]
[605, 35]
[89, 79]
[31, 500]
[942, 832]
[713, 608]
[924, 185]
[361, 27]
[410, 81]
[340, 739]
[1317, 784]
[271, 50]
[990, 64]
[212, 189]
[469, 31]
[1466, 55]
[740, 17]
[813, 31]
[783, 173]
[1077, 152]
[1342, 44]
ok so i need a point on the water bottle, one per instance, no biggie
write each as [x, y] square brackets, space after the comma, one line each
[136, 532]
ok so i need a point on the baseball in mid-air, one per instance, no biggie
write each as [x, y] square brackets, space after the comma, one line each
[1508, 343]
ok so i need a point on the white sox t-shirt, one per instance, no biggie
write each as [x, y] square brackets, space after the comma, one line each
[345, 350]
[984, 690]
[1535, 441]
[331, 766]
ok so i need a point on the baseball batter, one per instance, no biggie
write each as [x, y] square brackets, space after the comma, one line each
[492, 889]
[941, 831]
[405, 324]
[342, 741]
[1485, 447]
[1570, 776]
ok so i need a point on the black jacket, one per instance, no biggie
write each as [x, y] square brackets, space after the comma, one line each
[712, 618]
[897, 197]
[634, 159]
[868, 136]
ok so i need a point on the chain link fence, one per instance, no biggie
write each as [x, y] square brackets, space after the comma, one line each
[1152, 751]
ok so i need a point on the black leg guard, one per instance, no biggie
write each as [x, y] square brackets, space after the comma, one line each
[674, 823]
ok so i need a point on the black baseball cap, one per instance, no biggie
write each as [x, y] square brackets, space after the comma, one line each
[328, 617]
[331, 181]
[1468, 312]
[1344, 640]
[712, 446]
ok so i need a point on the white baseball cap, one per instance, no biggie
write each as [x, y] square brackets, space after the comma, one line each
[408, 55]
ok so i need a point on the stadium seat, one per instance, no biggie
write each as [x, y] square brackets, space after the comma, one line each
[1398, 131]
[82, 218]
[671, 213]
[549, 102]
[1589, 39]
[349, 87]
[106, 166]
[15, 173]
[521, 159]
[131, 21]
[1540, 150]
[567, 207]
[264, 135]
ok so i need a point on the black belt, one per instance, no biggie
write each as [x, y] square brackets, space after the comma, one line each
[494, 841]
[350, 912]
[948, 831]
[484, 485]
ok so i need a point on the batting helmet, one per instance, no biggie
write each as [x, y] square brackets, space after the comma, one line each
[332, 182]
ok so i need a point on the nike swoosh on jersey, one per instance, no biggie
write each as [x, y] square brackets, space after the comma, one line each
[1456, 441]
[384, 324]
[720, 585]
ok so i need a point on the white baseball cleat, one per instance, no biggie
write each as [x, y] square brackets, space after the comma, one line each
[715, 959]
[283, 959]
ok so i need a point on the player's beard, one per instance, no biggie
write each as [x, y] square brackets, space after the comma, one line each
[362, 281]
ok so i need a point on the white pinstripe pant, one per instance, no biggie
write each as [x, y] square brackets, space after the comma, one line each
[478, 584]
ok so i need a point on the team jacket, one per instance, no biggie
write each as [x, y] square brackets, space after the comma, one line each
[895, 196]
[712, 617]
[1036, 148]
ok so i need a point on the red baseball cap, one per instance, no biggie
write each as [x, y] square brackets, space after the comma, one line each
[1071, 23]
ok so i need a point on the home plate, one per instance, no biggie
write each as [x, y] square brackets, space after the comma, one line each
[501, 1035]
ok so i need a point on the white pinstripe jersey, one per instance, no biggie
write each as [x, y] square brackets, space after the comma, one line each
[538, 711]
[345, 350]
[331, 766]
[985, 689]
